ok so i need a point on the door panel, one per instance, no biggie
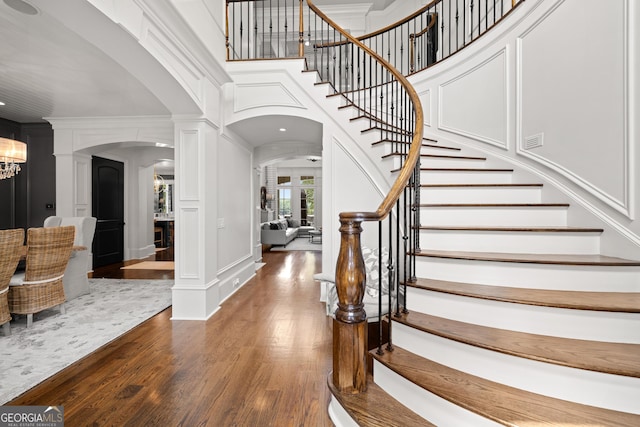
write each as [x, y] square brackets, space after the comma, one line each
[108, 208]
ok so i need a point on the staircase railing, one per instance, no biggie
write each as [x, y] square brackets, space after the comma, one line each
[362, 71]
[436, 31]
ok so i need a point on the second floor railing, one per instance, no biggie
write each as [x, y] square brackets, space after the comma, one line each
[264, 29]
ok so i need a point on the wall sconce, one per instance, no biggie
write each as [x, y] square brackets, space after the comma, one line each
[12, 153]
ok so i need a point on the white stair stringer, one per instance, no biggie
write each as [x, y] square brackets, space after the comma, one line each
[595, 278]
[513, 240]
[615, 392]
[429, 406]
[588, 325]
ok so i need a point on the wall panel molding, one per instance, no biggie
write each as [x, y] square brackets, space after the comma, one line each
[617, 192]
[269, 94]
[475, 103]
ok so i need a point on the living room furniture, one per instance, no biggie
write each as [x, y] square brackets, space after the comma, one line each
[315, 236]
[303, 230]
[278, 232]
[75, 279]
[10, 243]
[40, 286]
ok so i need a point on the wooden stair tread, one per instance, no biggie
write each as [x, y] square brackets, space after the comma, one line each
[627, 302]
[376, 408]
[563, 259]
[436, 156]
[503, 404]
[507, 185]
[561, 229]
[424, 144]
[494, 205]
[461, 170]
[610, 358]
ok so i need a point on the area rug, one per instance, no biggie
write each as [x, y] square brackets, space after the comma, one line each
[299, 244]
[55, 341]
[151, 265]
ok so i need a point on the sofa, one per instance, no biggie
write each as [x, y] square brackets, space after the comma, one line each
[279, 232]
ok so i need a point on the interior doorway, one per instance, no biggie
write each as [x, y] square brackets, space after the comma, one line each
[108, 207]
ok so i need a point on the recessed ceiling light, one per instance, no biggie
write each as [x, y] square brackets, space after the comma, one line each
[22, 7]
[283, 130]
[2, 103]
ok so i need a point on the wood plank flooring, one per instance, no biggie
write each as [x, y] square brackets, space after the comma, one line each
[262, 360]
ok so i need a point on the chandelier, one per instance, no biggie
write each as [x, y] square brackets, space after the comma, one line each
[12, 153]
[158, 181]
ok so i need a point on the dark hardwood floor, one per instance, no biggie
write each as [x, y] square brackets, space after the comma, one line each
[261, 360]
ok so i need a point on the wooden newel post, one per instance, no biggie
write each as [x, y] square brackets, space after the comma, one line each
[350, 323]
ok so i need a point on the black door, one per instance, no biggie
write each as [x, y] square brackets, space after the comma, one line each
[108, 208]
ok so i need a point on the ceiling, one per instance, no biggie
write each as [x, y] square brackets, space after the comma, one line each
[49, 71]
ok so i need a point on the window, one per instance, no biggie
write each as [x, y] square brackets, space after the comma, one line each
[307, 204]
[284, 201]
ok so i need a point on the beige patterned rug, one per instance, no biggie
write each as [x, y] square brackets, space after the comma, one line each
[113, 307]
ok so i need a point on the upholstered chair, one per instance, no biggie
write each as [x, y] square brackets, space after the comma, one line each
[40, 286]
[11, 242]
[75, 280]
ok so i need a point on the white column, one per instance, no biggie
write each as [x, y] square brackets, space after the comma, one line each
[73, 176]
[196, 293]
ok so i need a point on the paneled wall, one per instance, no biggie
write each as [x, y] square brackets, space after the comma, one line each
[29, 197]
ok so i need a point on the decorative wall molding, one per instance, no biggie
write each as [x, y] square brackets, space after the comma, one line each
[190, 153]
[81, 183]
[626, 204]
[189, 237]
[477, 112]
[267, 94]
[425, 98]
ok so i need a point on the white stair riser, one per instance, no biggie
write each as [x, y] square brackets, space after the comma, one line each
[494, 216]
[511, 241]
[444, 162]
[530, 275]
[436, 410]
[614, 392]
[466, 177]
[339, 415]
[551, 321]
[481, 195]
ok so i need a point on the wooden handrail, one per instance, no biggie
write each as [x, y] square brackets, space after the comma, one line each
[414, 153]
[350, 322]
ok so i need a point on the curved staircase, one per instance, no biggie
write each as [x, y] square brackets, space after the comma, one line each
[515, 318]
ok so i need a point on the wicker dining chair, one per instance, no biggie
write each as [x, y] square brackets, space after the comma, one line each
[11, 242]
[40, 286]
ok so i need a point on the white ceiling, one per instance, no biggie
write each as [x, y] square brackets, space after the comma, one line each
[49, 71]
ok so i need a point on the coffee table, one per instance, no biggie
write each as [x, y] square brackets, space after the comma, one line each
[315, 236]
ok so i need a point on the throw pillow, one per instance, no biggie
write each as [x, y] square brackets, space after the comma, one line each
[274, 226]
[293, 223]
[372, 264]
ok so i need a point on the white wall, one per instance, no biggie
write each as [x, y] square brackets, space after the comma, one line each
[545, 72]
